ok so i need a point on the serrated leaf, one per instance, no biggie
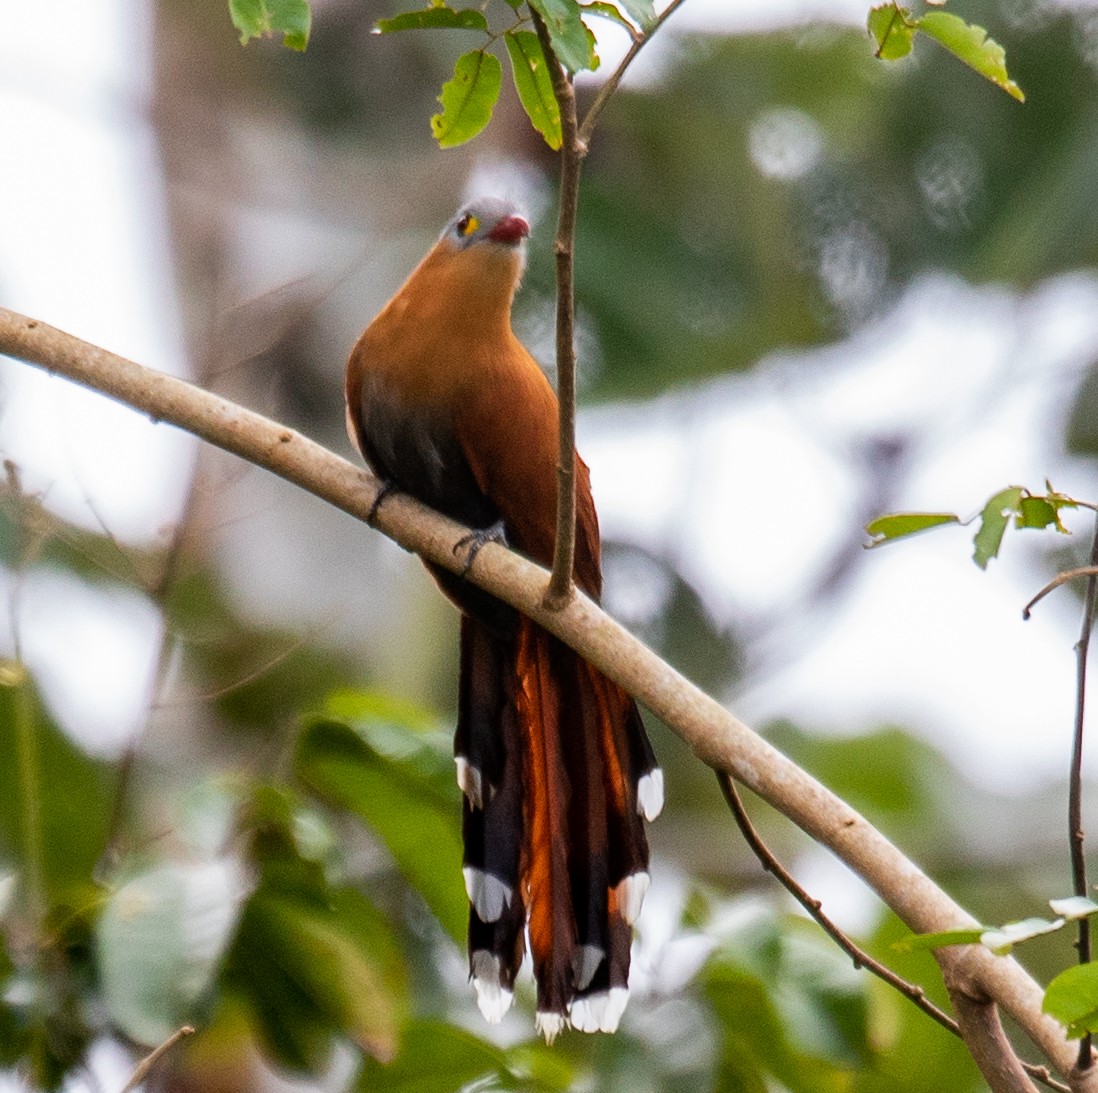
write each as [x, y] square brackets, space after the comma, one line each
[898, 524]
[259, 18]
[970, 43]
[892, 29]
[534, 84]
[993, 523]
[917, 942]
[434, 18]
[404, 805]
[1073, 908]
[1072, 998]
[567, 33]
[642, 11]
[1001, 940]
[468, 99]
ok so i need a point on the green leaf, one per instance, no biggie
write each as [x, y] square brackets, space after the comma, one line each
[567, 33]
[1072, 998]
[54, 800]
[605, 10]
[319, 954]
[1039, 512]
[430, 1049]
[1000, 941]
[971, 44]
[940, 940]
[159, 941]
[404, 800]
[259, 18]
[642, 11]
[468, 99]
[1073, 908]
[993, 523]
[434, 17]
[898, 524]
[534, 84]
[893, 30]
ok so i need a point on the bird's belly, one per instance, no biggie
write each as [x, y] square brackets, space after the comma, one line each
[418, 451]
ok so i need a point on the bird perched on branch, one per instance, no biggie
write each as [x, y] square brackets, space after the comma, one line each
[557, 773]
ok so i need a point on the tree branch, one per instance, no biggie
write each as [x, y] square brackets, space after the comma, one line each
[978, 1020]
[716, 736]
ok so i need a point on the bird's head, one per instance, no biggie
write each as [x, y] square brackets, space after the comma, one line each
[483, 250]
[489, 220]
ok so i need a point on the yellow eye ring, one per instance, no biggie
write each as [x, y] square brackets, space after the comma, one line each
[468, 224]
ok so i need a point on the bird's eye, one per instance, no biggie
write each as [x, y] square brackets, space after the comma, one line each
[467, 225]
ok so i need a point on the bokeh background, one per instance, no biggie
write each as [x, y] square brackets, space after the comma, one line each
[812, 288]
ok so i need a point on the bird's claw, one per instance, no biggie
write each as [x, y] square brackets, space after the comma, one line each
[476, 539]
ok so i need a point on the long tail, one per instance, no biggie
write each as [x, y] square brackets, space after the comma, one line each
[558, 777]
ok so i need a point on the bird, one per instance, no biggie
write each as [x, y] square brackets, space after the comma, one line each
[557, 774]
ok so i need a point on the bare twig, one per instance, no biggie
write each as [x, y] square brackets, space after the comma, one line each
[587, 127]
[1075, 782]
[144, 1068]
[574, 142]
[716, 736]
[571, 158]
[1056, 582]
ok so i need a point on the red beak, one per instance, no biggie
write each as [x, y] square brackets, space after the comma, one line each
[511, 229]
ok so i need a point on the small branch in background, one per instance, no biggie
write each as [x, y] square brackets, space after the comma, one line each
[144, 1068]
[912, 991]
[858, 955]
[1075, 785]
[1059, 579]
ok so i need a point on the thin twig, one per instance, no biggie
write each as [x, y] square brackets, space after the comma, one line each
[1059, 579]
[1075, 782]
[858, 955]
[571, 159]
[574, 142]
[143, 1068]
[587, 127]
[861, 959]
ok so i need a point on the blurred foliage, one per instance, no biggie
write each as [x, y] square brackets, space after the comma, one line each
[306, 908]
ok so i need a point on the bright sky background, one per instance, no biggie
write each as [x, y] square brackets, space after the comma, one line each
[927, 639]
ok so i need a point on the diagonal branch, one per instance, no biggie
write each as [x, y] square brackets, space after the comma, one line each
[716, 736]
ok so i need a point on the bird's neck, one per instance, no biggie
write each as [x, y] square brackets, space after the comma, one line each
[464, 291]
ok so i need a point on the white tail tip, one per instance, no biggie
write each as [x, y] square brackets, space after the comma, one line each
[650, 794]
[488, 894]
[630, 894]
[493, 997]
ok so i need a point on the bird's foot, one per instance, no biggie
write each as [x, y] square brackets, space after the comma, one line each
[497, 533]
[388, 487]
